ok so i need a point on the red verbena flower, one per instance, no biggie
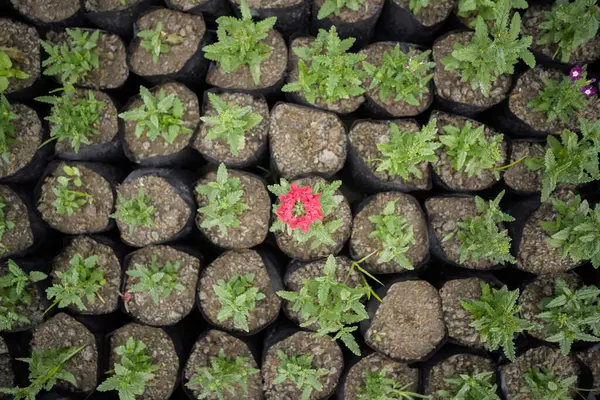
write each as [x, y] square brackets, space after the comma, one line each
[575, 73]
[300, 207]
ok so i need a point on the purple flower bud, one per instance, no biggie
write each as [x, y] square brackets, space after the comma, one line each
[589, 91]
[575, 73]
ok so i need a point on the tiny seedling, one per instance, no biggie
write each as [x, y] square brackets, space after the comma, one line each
[477, 386]
[403, 76]
[570, 25]
[68, 200]
[231, 123]
[14, 291]
[301, 211]
[158, 280]
[488, 9]
[83, 279]
[495, 316]
[403, 154]
[326, 70]
[158, 116]
[543, 384]
[73, 117]
[157, 42]
[481, 237]
[238, 297]
[7, 68]
[74, 58]
[335, 6]
[46, 368]
[471, 151]
[132, 373]
[135, 212]
[330, 304]
[300, 371]
[241, 42]
[395, 235]
[7, 130]
[5, 223]
[225, 202]
[377, 386]
[225, 374]
[415, 6]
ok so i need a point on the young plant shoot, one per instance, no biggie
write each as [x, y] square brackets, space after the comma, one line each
[415, 6]
[157, 42]
[7, 69]
[299, 370]
[68, 200]
[377, 386]
[477, 386]
[135, 212]
[543, 384]
[238, 297]
[394, 234]
[488, 9]
[5, 225]
[7, 131]
[158, 280]
[335, 6]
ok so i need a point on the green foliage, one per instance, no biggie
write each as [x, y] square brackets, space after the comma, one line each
[570, 25]
[231, 123]
[158, 280]
[46, 368]
[159, 115]
[403, 75]
[486, 58]
[335, 6]
[378, 387]
[481, 237]
[238, 297]
[135, 212]
[73, 118]
[225, 202]
[83, 279]
[223, 375]
[488, 9]
[241, 42]
[299, 371]
[7, 71]
[416, 6]
[132, 373]
[67, 200]
[395, 235]
[74, 58]
[333, 73]
[471, 151]
[14, 292]
[495, 316]
[156, 42]
[543, 384]
[7, 130]
[478, 386]
[406, 150]
[5, 223]
[330, 304]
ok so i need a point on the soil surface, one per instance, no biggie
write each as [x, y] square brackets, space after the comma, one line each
[409, 323]
[161, 350]
[434, 13]
[178, 304]
[225, 267]
[306, 141]
[142, 148]
[6, 371]
[269, 3]
[362, 245]
[519, 177]
[63, 330]
[208, 347]
[458, 320]
[86, 246]
[34, 310]
[326, 354]
[28, 138]
[107, 5]
[368, 9]
[592, 360]
[20, 237]
[47, 11]
[255, 139]
[24, 38]
[190, 27]
[452, 367]
[94, 216]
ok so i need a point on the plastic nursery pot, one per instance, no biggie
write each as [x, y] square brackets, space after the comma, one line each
[209, 9]
[292, 15]
[51, 14]
[519, 178]
[116, 19]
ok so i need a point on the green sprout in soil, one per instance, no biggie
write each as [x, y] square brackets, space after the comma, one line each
[82, 279]
[74, 58]
[68, 200]
[477, 386]
[327, 71]
[241, 42]
[403, 76]
[481, 236]
[7, 70]
[135, 212]
[331, 305]
[157, 42]
[158, 116]
[5, 224]
[230, 124]
[238, 297]
[488, 9]
[14, 292]
[495, 316]
[543, 384]
[7, 130]
[485, 58]
[569, 25]
[46, 368]
[377, 386]
[407, 150]
[132, 373]
[225, 202]
[395, 235]
[158, 280]
[225, 374]
[300, 371]
[335, 6]
[471, 151]
[415, 6]
[73, 118]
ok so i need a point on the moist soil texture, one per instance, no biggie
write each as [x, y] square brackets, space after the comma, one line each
[47, 11]
[25, 40]
[20, 237]
[108, 5]
[366, 10]
[458, 320]
[519, 177]
[268, 3]
[27, 139]
[452, 367]
[435, 12]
